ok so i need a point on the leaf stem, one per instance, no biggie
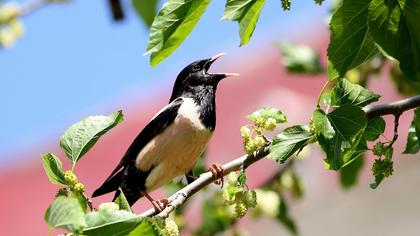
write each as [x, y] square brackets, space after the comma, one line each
[322, 92]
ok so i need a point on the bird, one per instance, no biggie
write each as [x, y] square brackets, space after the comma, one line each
[171, 143]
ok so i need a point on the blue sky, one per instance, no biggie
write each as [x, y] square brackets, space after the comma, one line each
[74, 60]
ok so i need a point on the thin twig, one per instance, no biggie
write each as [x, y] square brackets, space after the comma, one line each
[177, 199]
[396, 123]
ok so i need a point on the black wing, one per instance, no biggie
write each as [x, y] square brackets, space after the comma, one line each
[162, 120]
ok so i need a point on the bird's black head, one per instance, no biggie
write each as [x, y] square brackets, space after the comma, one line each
[195, 75]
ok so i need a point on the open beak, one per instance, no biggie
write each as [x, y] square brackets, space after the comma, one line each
[220, 75]
[215, 57]
[212, 59]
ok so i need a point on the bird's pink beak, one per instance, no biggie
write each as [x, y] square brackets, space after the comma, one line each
[226, 75]
[231, 75]
[215, 57]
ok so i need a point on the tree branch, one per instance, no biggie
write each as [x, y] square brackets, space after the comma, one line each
[177, 199]
[31, 6]
[205, 179]
[392, 108]
[24, 9]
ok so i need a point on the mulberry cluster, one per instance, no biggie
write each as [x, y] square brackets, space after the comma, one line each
[11, 27]
[237, 195]
[73, 183]
[382, 167]
[253, 142]
[285, 4]
[379, 149]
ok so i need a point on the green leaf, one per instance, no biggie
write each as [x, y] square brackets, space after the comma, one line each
[345, 92]
[122, 202]
[359, 146]
[288, 142]
[348, 121]
[266, 113]
[53, 168]
[413, 143]
[65, 212]
[149, 227]
[332, 73]
[374, 128]
[300, 59]
[351, 43]
[395, 26]
[246, 13]
[172, 25]
[146, 9]
[110, 222]
[322, 124]
[350, 173]
[235, 9]
[81, 137]
[284, 217]
[81, 198]
[413, 138]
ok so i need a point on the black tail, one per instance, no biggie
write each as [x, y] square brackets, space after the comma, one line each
[110, 185]
[132, 195]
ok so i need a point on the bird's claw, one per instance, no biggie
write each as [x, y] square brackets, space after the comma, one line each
[160, 204]
[218, 173]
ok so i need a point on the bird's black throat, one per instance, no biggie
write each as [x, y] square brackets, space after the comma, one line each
[204, 97]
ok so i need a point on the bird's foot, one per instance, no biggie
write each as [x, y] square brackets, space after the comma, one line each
[218, 173]
[89, 203]
[160, 204]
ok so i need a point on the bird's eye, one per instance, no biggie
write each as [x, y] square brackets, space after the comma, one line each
[196, 67]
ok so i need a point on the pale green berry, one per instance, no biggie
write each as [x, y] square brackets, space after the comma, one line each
[8, 12]
[240, 209]
[388, 168]
[16, 28]
[270, 124]
[70, 178]
[268, 202]
[79, 187]
[250, 198]
[312, 126]
[109, 206]
[7, 39]
[233, 177]
[287, 180]
[379, 149]
[260, 122]
[249, 146]
[171, 228]
[259, 141]
[245, 132]
[229, 198]
[382, 167]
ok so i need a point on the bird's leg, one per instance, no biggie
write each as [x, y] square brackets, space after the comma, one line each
[89, 203]
[190, 177]
[218, 173]
[159, 205]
